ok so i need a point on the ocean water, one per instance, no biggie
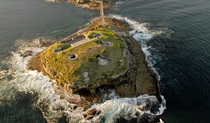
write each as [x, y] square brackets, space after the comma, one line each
[179, 51]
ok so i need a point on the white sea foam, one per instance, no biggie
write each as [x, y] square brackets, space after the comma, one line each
[117, 4]
[50, 0]
[127, 108]
[142, 34]
[53, 106]
[49, 101]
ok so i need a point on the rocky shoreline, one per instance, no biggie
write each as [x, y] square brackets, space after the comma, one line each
[139, 79]
[91, 4]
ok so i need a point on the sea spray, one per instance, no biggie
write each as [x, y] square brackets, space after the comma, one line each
[142, 34]
[127, 108]
[117, 4]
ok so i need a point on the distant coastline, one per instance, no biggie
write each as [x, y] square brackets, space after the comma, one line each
[95, 5]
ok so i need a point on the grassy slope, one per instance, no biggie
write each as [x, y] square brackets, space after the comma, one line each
[68, 70]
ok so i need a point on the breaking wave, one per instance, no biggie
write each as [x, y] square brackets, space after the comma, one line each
[142, 34]
[117, 4]
[55, 103]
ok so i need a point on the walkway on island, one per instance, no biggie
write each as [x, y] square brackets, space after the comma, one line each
[78, 43]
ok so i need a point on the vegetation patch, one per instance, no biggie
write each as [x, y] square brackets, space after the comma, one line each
[86, 58]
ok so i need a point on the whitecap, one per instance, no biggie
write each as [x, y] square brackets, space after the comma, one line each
[127, 108]
[142, 36]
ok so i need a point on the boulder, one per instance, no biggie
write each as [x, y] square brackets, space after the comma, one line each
[102, 61]
[85, 74]
[92, 111]
[86, 79]
[26, 53]
[83, 1]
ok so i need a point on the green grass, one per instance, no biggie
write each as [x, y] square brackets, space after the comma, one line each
[72, 70]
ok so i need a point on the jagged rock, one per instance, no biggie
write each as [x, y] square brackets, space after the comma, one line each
[26, 53]
[83, 1]
[92, 111]
[3, 73]
[84, 115]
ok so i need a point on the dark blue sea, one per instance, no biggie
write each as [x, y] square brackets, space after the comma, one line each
[179, 50]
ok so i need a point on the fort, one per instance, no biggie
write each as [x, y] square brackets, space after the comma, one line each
[101, 55]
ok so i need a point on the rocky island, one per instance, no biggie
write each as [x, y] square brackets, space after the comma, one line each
[86, 60]
[98, 56]
[101, 56]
